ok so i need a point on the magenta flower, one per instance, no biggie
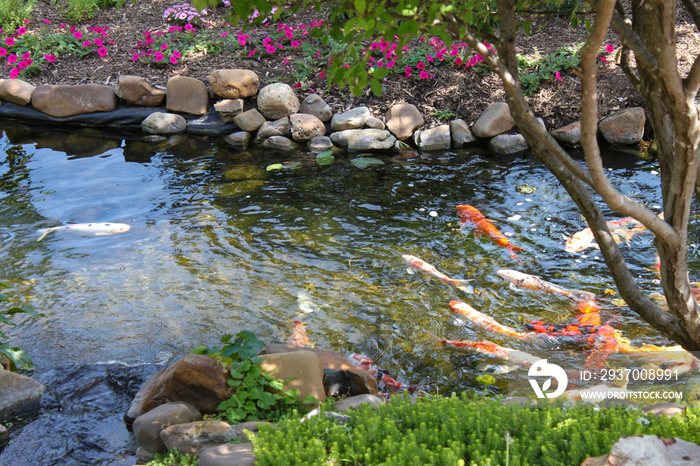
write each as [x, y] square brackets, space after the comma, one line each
[609, 48]
[47, 21]
[164, 46]
[11, 58]
[603, 59]
[14, 72]
[458, 61]
[50, 58]
[102, 51]
[224, 34]
[420, 65]
[21, 31]
[78, 35]
[26, 55]
[295, 43]
[135, 57]
[3, 52]
[189, 27]
[9, 41]
[267, 41]
[173, 60]
[252, 52]
[430, 58]
[557, 75]
[424, 75]
[270, 49]
[176, 54]
[87, 43]
[22, 65]
[297, 85]
[98, 42]
[158, 56]
[322, 74]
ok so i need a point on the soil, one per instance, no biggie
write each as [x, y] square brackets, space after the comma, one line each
[464, 93]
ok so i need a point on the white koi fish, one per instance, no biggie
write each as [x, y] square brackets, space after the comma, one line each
[423, 266]
[97, 229]
[488, 323]
[491, 349]
[532, 282]
[584, 239]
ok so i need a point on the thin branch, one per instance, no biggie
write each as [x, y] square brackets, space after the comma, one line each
[691, 84]
[631, 39]
[631, 74]
[693, 11]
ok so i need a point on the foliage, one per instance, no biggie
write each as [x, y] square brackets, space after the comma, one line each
[80, 10]
[535, 68]
[443, 114]
[256, 394]
[13, 13]
[18, 358]
[463, 430]
[172, 457]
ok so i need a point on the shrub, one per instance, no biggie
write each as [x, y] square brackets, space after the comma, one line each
[13, 13]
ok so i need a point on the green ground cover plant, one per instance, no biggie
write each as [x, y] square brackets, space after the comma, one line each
[16, 358]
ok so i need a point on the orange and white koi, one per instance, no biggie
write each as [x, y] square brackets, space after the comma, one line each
[471, 216]
[532, 282]
[584, 239]
[488, 323]
[299, 337]
[491, 349]
[383, 379]
[423, 266]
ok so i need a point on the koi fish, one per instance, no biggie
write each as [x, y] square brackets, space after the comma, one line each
[584, 239]
[532, 282]
[589, 312]
[299, 337]
[491, 349]
[565, 330]
[486, 322]
[383, 379]
[471, 216]
[97, 229]
[423, 266]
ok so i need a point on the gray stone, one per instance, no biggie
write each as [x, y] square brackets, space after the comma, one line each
[375, 123]
[356, 401]
[238, 140]
[65, 101]
[279, 143]
[664, 409]
[305, 127]
[352, 119]
[164, 123]
[187, 95]
[277, 100]
[144, 455]
[16, 91]
[240, 454]
[569, 134]
[4, 434]
[191, 437]
[147, 427]
[403, 119]
[134, 90]
[249, 120]
[437, 138]
[229, 108]
[320, 143]
[495, 120]
[281, 127]
[314, 105]
[460, 133]
[18, 394]
[234, 83]
[363, 139]
[647, 450]
[626, 127]
[508, 144]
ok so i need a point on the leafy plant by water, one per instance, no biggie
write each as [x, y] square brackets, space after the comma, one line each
[172, 457]
[16, 358]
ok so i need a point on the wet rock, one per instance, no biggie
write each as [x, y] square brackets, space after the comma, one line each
[626, 127]
[356, 401]
[569, 134]
[16, 91]
[320, 143]
[239, 188]
[164, 123]
[363, 139]
[234, 83]
[304, 369]
[209, 124]
[314, 105]
[134, 90]
[646, 450]
[403, 119]
[664, 409]
[250, 120]
[280, 143]
[147, 427]
[280, 127]
[508, 144]
[305, 127]
[4, 434]
[64, 101]
[229, 108]
[144, 455]
[238, 140]
[191, 437]
[240, 454]
[460, 133]
[495, 120]
[195, 379]
[352, 119]
[437, 138]
[277, 100]
[187, 95]
[375, 123]
[245, 172]
[18, 394]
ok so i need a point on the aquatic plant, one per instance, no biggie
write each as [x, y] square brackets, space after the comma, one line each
[16, 358]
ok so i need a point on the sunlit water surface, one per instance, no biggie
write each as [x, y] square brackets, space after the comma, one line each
[218, 244]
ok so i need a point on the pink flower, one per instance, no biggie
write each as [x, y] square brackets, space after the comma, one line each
[458, 61]
[176, 54]
[14, 72]
[297, 85]
[270, 49]
[430, 58]
[557, 75]
[267, 41]
[158, 56]
[22, 65]
[295, 43]
[603, 59]
[252, 52]
[102, 52]
[21, 31]
[78, 35]
[11, 58]
[175, 29]
[50, 58]
[224, 34]
[135, 57]
[424, 75]
[47, 21]
[9, 41]
[87, 43]
[322, 74]
[189, 27]
[173, 60]
[98, 42]
[609, 48]
[420, 65]
[3, 52]
[26, 55]
[164, 46]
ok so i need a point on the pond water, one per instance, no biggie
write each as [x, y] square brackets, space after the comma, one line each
[218, 244]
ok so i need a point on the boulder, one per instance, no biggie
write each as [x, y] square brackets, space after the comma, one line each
[495, 120]
[196, 379]
[314, 105]
[625, 127]
[664, 409]
[239, 454]
[234, 83]
[508, 144]
[375, 123]
[238, 140]
[305, 127]
[249, 120]
[277, 100]
[187, 95]
[569, 134]
[279, 143]
[302, 367]
[281, 127]
[460, 133]
[437, 138]
[228, 109]
[403, 119]
[16, 91]
[64, 101]
[18, 394]
[364, 139]
[352, 119]
[163, 123]
[320, 143]
[191, 437]
[134, 90]
[148, 426]
[646, 450]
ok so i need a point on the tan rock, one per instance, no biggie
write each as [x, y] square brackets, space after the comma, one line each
[302, 367]
[163, 123]
[19, 394]
[228, 109]
[279, 143]
[437, 138]
[314, 105]
[460, 133]
[508, 144]
[135, 90]
[364, 139]
[626, 127]
[239, 454]
[234, 83]
[16, 91]
[352, 119]
[148, 426]
[277, 100]
[280, 127]
[305, 127]
[238, 140]
[64, 101]
[569, 134]
[403, 119]
[249, 120]
[495, 120]
[187, 95]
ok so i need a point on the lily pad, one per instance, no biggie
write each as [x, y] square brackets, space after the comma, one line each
[284, 166]
[364, 162]
[325, 158]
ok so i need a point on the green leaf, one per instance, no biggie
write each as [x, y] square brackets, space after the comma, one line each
[380, 73]
[275, 166]
[360, 6]
[18, 358]
[376, 86]
[364, 162]
[325, 158]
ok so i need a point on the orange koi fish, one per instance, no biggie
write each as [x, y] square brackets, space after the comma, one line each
[532, 282]
[299, 336]
[383, 379]
[491, 349]
[423, 266]
[584, 239]
[589, 312]
[471, 216]
[486, 322]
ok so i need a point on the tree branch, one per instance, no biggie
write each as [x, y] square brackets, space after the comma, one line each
[631, 40]
[693, 11]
